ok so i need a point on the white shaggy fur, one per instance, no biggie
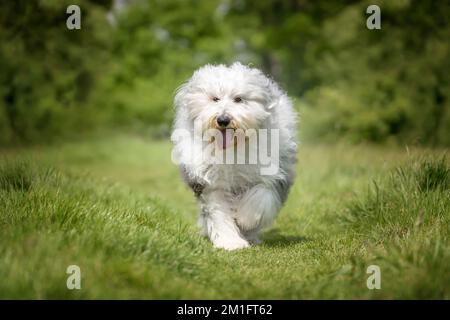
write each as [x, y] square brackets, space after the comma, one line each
[236, 200]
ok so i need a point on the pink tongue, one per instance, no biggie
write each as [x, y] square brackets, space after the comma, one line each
[227, 138]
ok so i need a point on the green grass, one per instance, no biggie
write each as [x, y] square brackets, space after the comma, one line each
[117, 208]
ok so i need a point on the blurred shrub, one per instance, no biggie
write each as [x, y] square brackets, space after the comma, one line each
[48, 73]
[156, 47]
[392, 83]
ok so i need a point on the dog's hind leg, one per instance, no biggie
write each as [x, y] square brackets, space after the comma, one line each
[218, 223]
[252, 236]
[257, 209]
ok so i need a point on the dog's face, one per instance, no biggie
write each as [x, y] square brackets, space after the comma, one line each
[221, 97]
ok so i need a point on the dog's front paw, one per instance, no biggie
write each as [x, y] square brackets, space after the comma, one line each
[229, 244]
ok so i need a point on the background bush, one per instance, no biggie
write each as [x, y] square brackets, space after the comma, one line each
[122, 67]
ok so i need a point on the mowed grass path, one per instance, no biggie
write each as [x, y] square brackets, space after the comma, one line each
[117, 208]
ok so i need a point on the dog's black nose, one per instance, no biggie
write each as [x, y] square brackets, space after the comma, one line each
[223, 120]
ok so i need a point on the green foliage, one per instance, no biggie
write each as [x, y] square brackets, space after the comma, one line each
[48, 72]
[122, 67]
[382, 84]
[15, 176]
[117, 208]
[156, 47]
[91, 226]
[407, 216]
[433, 175]
[415, 193]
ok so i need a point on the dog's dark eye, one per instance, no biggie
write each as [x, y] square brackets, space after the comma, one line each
[238, 99]
[215, 99]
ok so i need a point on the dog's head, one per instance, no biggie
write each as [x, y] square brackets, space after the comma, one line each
[222, 97]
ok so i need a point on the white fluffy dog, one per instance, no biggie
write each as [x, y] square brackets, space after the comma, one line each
[237, 200]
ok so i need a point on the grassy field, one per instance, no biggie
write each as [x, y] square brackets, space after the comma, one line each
[117, 208]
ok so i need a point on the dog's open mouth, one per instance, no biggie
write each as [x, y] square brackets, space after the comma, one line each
[227, 137]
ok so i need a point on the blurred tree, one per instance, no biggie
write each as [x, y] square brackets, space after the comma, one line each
[156, 47]
[388, 83]
[47, 71]
[123, 66]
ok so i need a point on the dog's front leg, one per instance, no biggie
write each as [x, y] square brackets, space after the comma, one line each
[218, 222]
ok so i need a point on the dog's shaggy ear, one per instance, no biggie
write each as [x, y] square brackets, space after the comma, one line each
[272, 104]
[180, 94]
[277, 95]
